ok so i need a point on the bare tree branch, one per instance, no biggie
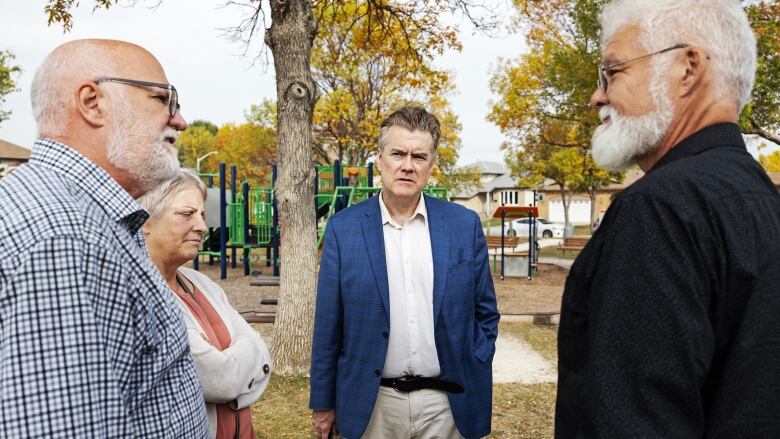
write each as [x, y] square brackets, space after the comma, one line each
[761, 132]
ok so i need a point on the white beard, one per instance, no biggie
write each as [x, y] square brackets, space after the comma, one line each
[149, 163]
[618, 144]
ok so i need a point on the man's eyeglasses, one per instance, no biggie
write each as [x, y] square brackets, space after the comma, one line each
[173, 95]
[604, 76]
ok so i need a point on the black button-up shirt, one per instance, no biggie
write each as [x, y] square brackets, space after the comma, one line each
[670, 325]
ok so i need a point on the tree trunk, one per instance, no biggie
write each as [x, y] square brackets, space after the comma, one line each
[290, 38]
[565, 200]
[593, 214]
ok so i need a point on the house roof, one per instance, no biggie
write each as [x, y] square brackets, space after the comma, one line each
[9, 151]
[486, 167]
[631, 176]
[504, 181]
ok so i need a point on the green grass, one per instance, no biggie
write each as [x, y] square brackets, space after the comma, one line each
[490, 222]
[523, 411]
[542, 338]
[554, 252]
[283, 410]
[582, 230]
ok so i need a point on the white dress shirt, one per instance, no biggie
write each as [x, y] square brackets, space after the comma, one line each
[412, 348]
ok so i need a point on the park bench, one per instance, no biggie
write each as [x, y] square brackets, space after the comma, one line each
[575, 243]
[265, 281]
[494, 242]
[510, 243]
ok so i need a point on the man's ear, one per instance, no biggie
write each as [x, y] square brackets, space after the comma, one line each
[696, 65]
[89, 103]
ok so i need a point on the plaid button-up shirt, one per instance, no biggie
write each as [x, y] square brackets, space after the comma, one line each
[91, 340]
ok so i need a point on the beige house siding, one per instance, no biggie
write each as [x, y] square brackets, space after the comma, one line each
[11, 156]
[497, 188]
[475, 203]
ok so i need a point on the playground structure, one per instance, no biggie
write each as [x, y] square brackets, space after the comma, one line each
[247, 222]
[250, 220]
[520, 261]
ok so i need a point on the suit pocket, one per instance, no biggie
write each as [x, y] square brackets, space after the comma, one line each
[483, 348]
[462, 266]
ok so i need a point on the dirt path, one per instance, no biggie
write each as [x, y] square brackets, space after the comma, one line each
[516, 362]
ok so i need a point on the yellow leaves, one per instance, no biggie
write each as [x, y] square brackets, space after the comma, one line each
[762, 116]
[543, 95]
[771, 162]
[251, 147]
[370, 58]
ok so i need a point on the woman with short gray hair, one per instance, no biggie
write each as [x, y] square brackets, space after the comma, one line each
[231, 359]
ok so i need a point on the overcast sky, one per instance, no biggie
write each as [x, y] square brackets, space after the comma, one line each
[214, 81]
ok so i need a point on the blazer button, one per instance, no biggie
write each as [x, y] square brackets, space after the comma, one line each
[385, 334]
[266, 369]
[377, 372]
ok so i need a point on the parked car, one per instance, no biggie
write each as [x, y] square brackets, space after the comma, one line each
[544, 228]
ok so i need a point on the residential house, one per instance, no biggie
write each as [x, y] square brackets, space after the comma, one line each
[11, 156]
[551, 205]
[499, 188]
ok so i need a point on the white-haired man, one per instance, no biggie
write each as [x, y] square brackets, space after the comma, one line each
[669, 324]
[92, 341]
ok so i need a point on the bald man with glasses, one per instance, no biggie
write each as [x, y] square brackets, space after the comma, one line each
[92, 341]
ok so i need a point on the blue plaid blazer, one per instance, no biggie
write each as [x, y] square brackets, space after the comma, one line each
[352, 315]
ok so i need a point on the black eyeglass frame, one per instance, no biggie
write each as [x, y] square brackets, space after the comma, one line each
[603, 81]
[173, 95]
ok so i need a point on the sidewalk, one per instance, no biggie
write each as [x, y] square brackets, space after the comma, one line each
[516, 362]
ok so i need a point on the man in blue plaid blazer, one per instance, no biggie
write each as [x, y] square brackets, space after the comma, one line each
[406, 317]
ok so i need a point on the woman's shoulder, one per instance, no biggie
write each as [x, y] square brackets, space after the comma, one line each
[203, 282]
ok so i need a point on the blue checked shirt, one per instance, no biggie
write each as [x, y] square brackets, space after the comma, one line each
[91, 340]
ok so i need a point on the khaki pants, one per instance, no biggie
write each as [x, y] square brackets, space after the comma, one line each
[422, 414]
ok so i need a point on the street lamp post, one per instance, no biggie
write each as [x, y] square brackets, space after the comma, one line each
[197, 164]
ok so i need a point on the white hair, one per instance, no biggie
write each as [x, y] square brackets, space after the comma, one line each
[53, 85]
[130, 148]
[720, 27]
[157, 200]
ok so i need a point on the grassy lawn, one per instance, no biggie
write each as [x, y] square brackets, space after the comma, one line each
[543, 338]
[582, 230]
[283, 410]
[519, 410]
[555, 252]
[491, 222]
[523, 411]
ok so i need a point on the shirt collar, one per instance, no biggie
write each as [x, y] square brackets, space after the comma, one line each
[713, 136]
[90, 178]
[386, 218]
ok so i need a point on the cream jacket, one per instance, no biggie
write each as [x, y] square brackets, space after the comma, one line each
[235, 375]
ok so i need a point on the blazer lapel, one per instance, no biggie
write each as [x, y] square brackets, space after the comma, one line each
[440, 249]
[375, 245]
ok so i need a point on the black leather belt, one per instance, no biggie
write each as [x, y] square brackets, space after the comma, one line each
[411, 383]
